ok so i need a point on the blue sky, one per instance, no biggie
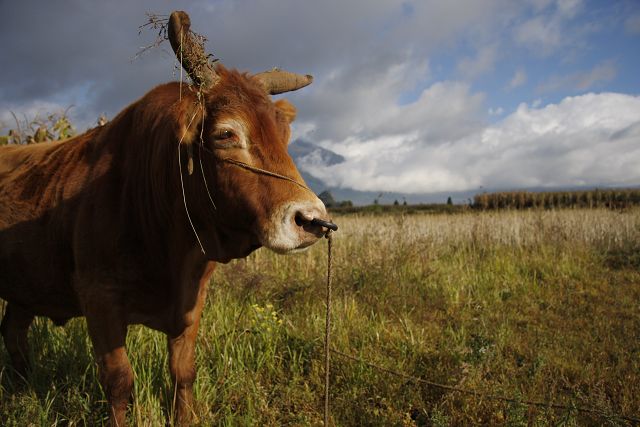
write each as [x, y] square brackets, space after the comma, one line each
[417, 96]
[591, 49]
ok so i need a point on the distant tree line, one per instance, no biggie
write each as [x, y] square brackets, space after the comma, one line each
[609, 198]
[330, 202]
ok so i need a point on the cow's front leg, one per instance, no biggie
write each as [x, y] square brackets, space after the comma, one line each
[108, 332]
[15, 325]
[182, 362]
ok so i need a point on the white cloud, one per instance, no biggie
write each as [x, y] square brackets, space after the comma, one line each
[584, 140]
[549, 30]
[360, 97]
[540, 34]
[632, 24]
[368, 107]
[483, 62]
[603, 72]
[582, 80]
[538, 5]
[518, 79]
[569, 8]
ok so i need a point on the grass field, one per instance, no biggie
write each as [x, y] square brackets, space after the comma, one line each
[533, 305]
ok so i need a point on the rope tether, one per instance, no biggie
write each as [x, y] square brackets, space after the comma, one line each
[327, 329]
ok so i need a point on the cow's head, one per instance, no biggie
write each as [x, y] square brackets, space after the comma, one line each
[235, 138]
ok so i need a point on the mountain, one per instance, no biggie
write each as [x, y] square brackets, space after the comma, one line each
[301, 149]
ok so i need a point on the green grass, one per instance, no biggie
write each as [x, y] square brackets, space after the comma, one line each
[540, 305]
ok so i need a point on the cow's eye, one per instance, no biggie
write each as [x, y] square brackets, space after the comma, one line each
[225, 138]
[224, 135]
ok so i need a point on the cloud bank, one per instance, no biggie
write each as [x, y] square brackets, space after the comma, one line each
[582, 140]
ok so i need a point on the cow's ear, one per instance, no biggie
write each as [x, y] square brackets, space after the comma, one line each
[190, 120]
[287, 110]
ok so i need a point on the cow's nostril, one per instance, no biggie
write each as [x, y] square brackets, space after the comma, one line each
[301, 219]
[308, 222]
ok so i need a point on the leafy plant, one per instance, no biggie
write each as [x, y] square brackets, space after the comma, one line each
[53, 127]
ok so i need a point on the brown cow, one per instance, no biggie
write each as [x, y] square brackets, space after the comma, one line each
[124, 224]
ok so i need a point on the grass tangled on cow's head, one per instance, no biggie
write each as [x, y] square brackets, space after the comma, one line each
[530, 305]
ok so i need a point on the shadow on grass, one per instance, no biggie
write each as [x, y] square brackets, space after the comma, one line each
[625, 256]
[61, 380]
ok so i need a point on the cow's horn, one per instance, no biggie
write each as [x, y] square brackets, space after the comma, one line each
[279, 81]
[189, 51]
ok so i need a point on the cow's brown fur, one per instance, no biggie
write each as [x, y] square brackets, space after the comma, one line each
[96, 226]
